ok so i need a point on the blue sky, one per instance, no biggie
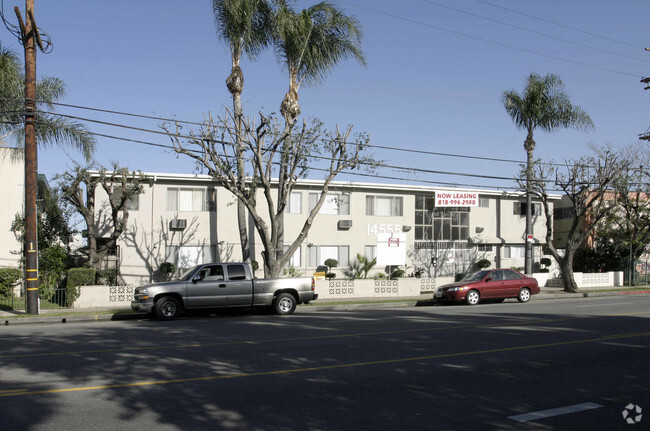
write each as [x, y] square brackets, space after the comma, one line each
[433, 81]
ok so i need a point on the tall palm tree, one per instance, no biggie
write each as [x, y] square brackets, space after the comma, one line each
[310, 43]
[245, 26]
[543, 105]
[50, 128]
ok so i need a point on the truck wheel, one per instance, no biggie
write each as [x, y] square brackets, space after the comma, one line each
[166, 308]
[284, 303]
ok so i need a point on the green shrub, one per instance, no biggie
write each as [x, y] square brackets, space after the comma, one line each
[106, 276]
[168, 269]
[483, 263]
[9, 278]
[78, 277]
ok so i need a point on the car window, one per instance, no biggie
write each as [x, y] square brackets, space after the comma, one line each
[212, 273]
[236, 272]
[497, 275]
[511, 275]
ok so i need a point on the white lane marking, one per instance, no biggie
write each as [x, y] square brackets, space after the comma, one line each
[605, 305]
[626, 345]
[543, 414]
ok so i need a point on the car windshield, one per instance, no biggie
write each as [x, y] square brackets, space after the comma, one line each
[477, 276]
[187, 274]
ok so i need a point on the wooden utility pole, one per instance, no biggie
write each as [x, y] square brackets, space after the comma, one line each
[29, 33]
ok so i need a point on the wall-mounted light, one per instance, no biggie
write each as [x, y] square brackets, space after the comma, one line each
[479, 229]
[406, 228]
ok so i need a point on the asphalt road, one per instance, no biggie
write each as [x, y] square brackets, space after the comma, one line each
[545, 365]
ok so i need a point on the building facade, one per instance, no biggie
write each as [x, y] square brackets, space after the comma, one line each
[191, 219]
[12, 194]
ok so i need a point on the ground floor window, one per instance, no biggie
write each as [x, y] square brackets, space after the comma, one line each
[187, 256]
[318, 254]
[514, 252]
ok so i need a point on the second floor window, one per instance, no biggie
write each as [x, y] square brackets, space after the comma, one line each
[334, 204]
[384, 206]
[190, 199]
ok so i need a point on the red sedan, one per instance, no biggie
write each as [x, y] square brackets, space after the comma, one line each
[494, 284]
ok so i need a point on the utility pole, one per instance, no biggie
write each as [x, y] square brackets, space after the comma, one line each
[29, 35]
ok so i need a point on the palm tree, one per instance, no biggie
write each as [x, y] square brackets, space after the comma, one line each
[546, 106]
[50, 128]
[310, 43]
[245, 26]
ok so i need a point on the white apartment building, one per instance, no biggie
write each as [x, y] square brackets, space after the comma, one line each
[191, 219]
[12, 192]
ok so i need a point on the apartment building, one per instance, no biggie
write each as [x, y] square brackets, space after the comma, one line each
[191, 219]
[12, 192]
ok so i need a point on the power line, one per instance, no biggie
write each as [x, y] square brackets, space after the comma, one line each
[383, 147]
[534, 32]
[163, 133]
[529, 51]
[560, 25]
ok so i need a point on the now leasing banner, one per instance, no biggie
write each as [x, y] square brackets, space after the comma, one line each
[456, 199]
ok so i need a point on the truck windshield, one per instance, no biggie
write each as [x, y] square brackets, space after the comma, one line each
[188, 274]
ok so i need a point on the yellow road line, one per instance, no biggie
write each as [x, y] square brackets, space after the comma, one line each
[21, 392]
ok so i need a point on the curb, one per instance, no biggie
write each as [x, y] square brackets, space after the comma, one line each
[105, 317]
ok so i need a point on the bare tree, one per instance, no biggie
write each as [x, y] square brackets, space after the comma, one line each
[213, 149]
[587, 183]
[79, 186]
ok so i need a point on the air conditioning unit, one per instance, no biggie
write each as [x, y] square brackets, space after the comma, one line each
[345, 224]
[178, 224]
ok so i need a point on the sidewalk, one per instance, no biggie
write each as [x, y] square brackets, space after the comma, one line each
[52, 316]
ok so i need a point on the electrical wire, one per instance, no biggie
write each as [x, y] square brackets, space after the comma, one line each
[560, 25]
[534, 32]
[482, 39]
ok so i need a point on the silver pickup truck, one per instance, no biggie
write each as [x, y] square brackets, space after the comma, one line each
[215, 285]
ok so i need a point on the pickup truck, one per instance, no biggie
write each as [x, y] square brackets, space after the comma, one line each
[214, 285]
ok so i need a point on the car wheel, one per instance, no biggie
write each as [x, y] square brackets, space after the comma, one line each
[167, 308]
[524, 295]
[284, 303]
[473, 297]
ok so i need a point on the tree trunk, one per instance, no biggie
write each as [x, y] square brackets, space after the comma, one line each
[529, 146]
[235, 84]
[566, 273]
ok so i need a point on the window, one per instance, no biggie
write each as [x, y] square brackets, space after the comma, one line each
[485, 248]
[334, 204]
[514, 252]
[563, 213]
[483, 202]
[451, 224]
[212, 273]
[384, 206]
[186, 257]
[519, 208]
[132, 204]
[370, 252]
[190, 199]
[295, 203]
[236, 272]
[424, 206]
[295, 260]
[318, 254]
